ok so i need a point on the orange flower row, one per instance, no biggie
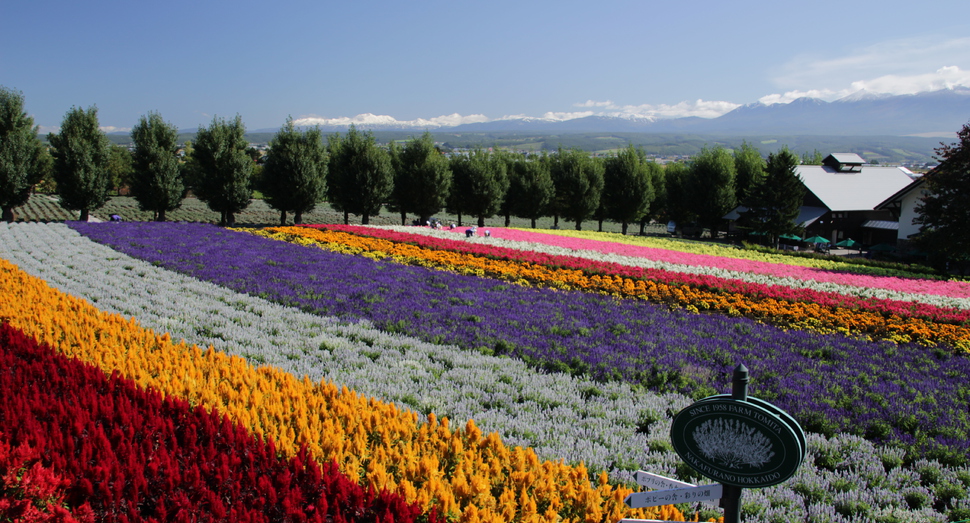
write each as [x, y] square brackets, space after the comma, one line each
[786, 314]
[468, 476]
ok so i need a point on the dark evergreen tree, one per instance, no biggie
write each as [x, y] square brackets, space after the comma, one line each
[578, 179]
[294, 175]
[679, 195]
[712, 176]
[530, 188]
[223, 168]
[156, 180]
[658, 207]
[750, 169]
[480, 184]
[774, 204]
[81, 156]
[360, 177]
[944, 212]
[425, 177]
[22, 155]
[627, 187]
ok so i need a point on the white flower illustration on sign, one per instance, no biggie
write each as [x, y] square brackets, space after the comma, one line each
[733, 443]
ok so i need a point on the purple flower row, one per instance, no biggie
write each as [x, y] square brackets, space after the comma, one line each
[904, 394]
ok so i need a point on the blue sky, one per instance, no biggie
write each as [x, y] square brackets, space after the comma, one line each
[431, 61]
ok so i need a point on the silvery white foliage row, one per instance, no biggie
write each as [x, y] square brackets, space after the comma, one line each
[605, 425]
[749, 277]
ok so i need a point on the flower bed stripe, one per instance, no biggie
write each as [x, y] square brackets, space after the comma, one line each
[460, 472]
[942, 306]
[741, 260]
[130, 454]
[830, 383]
[797, 311]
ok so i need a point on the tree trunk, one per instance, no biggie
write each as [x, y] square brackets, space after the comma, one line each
[579, 225]
[481, 221]
[555, 221]
[643, 228]
[161, 216]
[231, 219]
[459, 219]
[404, 218]
[222, 219]
[533, 223]
[346, 218]
[623, 228]
[365, 219]
[84, 215]
[600, 225]
[282, 218]
[8, 215]
[508, 220]
[297, 217]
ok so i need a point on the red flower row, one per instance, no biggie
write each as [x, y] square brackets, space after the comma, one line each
[132, 455]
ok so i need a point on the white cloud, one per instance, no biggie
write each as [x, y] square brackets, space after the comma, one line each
[699, 108]
[901, 57]
[368, 119]
[946, 77]
[113, 129]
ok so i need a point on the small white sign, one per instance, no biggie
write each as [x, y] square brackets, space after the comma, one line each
[658, 482]
[678, 495]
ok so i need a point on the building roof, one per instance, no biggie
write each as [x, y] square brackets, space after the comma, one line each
[855, 190]
[900, 194]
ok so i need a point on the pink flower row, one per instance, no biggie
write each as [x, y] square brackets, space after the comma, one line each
[952, 289]
[752, 290]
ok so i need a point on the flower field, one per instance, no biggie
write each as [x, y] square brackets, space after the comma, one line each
[566, 381]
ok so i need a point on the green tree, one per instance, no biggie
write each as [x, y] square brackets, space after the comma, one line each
[658, 207]
[222, 168]
[530, 187]
[294, 176]
[814, 158]
[479, 186]
[578, 179]
[627, 187]
[81, 155]
[22, 156]
[750, 168]
[944, 211]
[422, 180]
[120, 167]
[774, 204]
[679, 195]
[712, 186]
[156, 180]
[360, 177]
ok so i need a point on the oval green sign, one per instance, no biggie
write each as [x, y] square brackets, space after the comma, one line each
[736, 443]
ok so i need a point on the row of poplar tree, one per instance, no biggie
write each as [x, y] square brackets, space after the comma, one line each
[357, 176]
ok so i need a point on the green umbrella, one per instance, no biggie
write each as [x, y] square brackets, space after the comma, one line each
[790, 237]
[817, 239]
[847, 243]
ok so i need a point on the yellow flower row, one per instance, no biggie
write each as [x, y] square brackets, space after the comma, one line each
[788, 314]
[468, 476]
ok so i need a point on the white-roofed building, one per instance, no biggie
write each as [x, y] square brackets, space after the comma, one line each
[842, 197]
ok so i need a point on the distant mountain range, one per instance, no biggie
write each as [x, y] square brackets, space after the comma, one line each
[936, 113]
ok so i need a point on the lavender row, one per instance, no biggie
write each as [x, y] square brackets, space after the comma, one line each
[904, 394]
[562, 416]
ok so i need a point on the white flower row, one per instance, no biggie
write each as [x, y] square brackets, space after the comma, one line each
[646, 263]
[560, 416]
